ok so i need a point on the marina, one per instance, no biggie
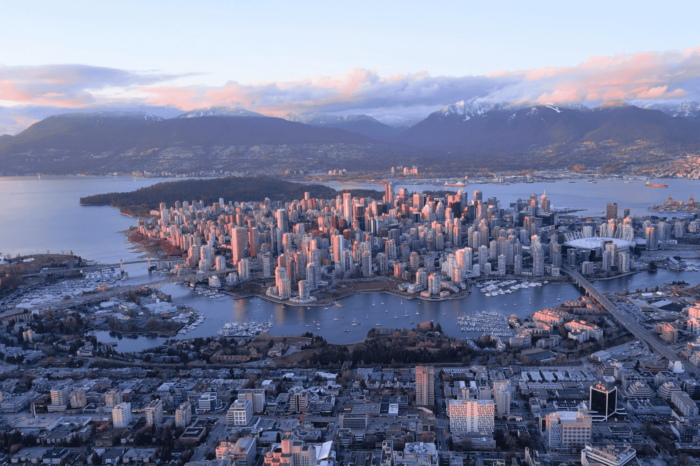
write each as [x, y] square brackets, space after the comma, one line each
[491, 323]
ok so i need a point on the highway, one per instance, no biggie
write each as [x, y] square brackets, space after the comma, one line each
[622, 318]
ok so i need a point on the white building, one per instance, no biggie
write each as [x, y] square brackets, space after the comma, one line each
[607, 456]
[471, 416]
[563, 430]
[183, 414]
[154, 413]
[502, 394]
[240, 413]
[121, 415]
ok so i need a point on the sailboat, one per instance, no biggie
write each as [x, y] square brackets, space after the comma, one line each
[346, 329]
[378, 324]
[354, 322]
[417, 313]
[335, 318]
[559, 298]
[368, 316]
[395, 316]
[405, 314]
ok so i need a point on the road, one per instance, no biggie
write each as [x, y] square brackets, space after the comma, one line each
[623, 318]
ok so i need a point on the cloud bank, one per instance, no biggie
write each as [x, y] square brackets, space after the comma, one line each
[31, 93]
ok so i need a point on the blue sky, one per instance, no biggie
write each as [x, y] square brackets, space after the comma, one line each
[204, 45]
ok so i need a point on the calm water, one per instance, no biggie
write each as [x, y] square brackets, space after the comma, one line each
[45, 214]
[41, 214]
[387, 310]
[579, 195]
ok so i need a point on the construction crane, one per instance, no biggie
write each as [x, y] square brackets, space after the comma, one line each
[301, 416]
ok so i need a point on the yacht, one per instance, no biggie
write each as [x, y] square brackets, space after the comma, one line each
[335, 318]
[346, 329]
[377, 324]
[405, 314]
[395, 316]
[559, 298]
[368, 316]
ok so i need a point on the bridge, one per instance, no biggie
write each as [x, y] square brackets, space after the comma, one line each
[71, 271]
[642, 334]
[99, 296]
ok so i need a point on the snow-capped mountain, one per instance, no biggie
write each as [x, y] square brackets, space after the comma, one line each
[466, 109]
[220, 112]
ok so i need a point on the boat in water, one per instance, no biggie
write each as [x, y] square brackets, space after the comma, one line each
[655, 185]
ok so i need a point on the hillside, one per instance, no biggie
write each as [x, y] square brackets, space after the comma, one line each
[210, 190]
[361, 124]
[99, 143]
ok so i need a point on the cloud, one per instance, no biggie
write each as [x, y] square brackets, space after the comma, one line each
[658, 76]
[67, 86]
[646, 76]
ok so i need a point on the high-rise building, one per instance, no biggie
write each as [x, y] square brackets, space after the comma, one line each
[78, 398]
[501, 395]
[121, 415]
[538, 260]
[298, 401]
[154, 413]
[471, 416]
[425, 385]
[652, 239]
[113, 398]
[60, 395]
[291, 452]
[240, 413]
[611, 211]
[282, 220]
[239, 242]
[602, 401]
[563, 430]
[183, 415]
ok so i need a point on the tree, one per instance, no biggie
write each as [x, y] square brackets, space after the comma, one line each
[95, 458]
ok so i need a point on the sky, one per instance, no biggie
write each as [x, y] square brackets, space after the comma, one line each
[389, 59]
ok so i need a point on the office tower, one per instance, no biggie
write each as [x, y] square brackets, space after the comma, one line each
[471, 416]
[298, 401]
[383, 262]
[611, 211]
[282, 220]
[607, 261]
[538, 260]
[267, 264]
[478, 196]
[434, 283]
[337, 244]
[78, 398]
[587, 268]
[240, 413]
[652, 239]
[389, 193]
[311, 276]
[564, 430]
[571, 257]
[623, 259]
[253, 242]
[545, 205]
[121, 415]
[154, 413]
[359, 216]
[425, 385]
[602, 401]
[239, 242]
[183, 415]
[347, 207]
[60, 395]
[517, 264]
[501, 394]
[113, 398]
[501, 264]
[244, 269]
[255, 396]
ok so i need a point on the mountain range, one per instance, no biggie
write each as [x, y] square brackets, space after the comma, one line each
[467, 133]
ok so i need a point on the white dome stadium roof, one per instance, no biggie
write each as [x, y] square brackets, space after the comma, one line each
[594, 242]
